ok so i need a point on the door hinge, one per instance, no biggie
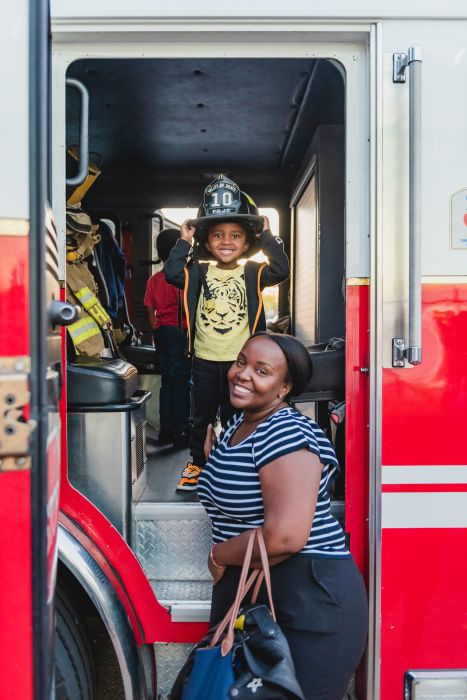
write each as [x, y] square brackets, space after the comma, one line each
[15, 429]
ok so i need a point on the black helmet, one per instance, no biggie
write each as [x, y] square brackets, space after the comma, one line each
[224, 201]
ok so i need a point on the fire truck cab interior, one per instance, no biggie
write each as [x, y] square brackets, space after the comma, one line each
[159, 131]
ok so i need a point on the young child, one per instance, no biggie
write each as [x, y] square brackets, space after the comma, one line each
[165, 313]
[222, 301]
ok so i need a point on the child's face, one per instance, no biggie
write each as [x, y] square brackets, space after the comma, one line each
[227, 242]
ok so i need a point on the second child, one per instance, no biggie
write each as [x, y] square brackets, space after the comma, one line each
[222, 300]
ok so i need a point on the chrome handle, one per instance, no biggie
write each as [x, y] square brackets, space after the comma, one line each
[412, 351]
[82, 173]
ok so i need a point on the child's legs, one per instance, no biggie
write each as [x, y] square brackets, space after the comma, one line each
[179, 372]
[162, 341]
[206, 400]
[225, 407]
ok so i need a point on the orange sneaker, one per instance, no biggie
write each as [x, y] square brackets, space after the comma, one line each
[189, 478]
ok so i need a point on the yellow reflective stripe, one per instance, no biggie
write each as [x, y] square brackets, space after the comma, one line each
[93, 306]
[83, 330]
[85, 296]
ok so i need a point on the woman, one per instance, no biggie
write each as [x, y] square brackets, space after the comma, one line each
[272, 467]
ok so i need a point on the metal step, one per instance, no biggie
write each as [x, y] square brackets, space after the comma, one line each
[188, 601]
[172, 541]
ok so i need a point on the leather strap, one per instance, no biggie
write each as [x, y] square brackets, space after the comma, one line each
[243, 587]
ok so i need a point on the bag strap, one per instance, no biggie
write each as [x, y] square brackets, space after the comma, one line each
[244, 586]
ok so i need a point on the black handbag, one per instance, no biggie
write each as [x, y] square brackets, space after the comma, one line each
[246, 655]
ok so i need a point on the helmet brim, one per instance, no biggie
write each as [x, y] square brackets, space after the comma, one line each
[203, 222]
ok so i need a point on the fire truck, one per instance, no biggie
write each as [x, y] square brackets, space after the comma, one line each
[350, 122]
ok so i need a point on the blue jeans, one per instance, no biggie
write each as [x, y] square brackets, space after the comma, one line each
[174, 397]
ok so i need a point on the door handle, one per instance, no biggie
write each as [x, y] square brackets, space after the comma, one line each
[412, 349]
[82, 173]
[62, 313]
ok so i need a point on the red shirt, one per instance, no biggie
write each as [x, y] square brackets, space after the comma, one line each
[165, 299]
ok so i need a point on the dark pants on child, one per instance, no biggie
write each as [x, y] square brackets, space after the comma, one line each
[174, 398]
[210, 395]
[321, 606]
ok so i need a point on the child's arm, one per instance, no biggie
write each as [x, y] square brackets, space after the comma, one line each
[278, 268]
[175, 263]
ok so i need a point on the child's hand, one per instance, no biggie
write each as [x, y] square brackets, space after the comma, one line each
[210, 441]
[265, 225]
[187, 231]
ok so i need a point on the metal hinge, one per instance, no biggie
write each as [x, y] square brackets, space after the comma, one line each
[15, 430]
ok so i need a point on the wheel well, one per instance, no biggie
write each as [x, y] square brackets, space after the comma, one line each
[108, 677]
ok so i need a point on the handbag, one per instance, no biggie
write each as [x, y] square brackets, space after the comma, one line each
[246, 655]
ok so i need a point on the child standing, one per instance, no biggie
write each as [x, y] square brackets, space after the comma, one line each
[222, 301]
[166, 317]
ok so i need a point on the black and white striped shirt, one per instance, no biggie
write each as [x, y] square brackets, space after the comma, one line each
[229, 486]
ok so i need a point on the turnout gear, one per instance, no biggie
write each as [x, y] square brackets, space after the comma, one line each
[223, 202]
[87, 334]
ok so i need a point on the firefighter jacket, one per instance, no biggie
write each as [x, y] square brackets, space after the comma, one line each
[86, 333]
[184, 272]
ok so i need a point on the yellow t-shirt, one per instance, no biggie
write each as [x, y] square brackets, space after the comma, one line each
[222, 321]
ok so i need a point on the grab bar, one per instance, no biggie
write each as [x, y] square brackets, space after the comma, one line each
[82, 173]
[412, 351]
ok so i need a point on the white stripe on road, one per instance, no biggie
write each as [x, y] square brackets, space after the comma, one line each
[429, 510]
[438, 474]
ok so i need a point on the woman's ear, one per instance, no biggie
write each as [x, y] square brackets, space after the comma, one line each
[285, 390]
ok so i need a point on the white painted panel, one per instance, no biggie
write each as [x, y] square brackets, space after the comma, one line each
[444, 139]
[407, 510]
[305, 283]
[14, 114]
[424, 474]
[257, 8]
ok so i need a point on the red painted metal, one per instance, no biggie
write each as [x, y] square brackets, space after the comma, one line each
[356, 422]
[16, 643]
[150, 621]
[423, 574]
[422, 406]
[424, 605]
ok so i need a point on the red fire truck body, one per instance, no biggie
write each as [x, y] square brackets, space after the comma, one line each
[398, 77]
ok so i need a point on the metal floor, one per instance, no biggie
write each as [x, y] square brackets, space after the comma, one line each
[164, 467]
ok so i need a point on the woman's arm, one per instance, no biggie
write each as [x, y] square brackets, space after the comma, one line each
[289, 486]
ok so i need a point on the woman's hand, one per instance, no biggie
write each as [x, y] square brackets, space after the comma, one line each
[187, 231]
[210, 441]
[216, 572]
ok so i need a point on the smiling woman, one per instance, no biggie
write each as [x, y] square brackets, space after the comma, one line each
[272, 468]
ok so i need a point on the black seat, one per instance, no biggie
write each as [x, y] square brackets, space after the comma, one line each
[101, 382]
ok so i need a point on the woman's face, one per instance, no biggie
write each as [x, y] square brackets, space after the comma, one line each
[257, 377]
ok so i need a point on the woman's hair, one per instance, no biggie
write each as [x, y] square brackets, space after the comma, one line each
[297, 357]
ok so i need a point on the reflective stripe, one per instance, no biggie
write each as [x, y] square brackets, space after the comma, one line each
[421, 509]
[92, 305]
[420, 474]
[82, 330]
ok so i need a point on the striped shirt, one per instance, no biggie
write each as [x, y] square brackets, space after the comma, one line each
[229, 486]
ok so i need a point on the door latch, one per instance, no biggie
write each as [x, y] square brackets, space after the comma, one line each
[15, 428]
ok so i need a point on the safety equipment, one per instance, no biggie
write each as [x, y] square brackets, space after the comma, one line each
[76, 195]
[81, 234]
[224, 201]
[87, 334]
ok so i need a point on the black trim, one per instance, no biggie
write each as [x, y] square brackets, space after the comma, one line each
[43, 619]
[136, 401]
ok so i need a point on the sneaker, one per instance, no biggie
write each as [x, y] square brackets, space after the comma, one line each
[189, 478]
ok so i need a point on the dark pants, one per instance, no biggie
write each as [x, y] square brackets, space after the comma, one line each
[321, 607]
[210, 395]
[174, 397]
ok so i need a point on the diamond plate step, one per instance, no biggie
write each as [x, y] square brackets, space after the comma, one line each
[172, 541]
[188, 601]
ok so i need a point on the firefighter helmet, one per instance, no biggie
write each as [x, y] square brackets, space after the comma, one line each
[224, 201]
[81, 235]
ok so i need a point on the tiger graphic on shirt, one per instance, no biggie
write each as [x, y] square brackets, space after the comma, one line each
[226, 310]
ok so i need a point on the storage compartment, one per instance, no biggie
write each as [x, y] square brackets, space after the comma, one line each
[107, 443]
